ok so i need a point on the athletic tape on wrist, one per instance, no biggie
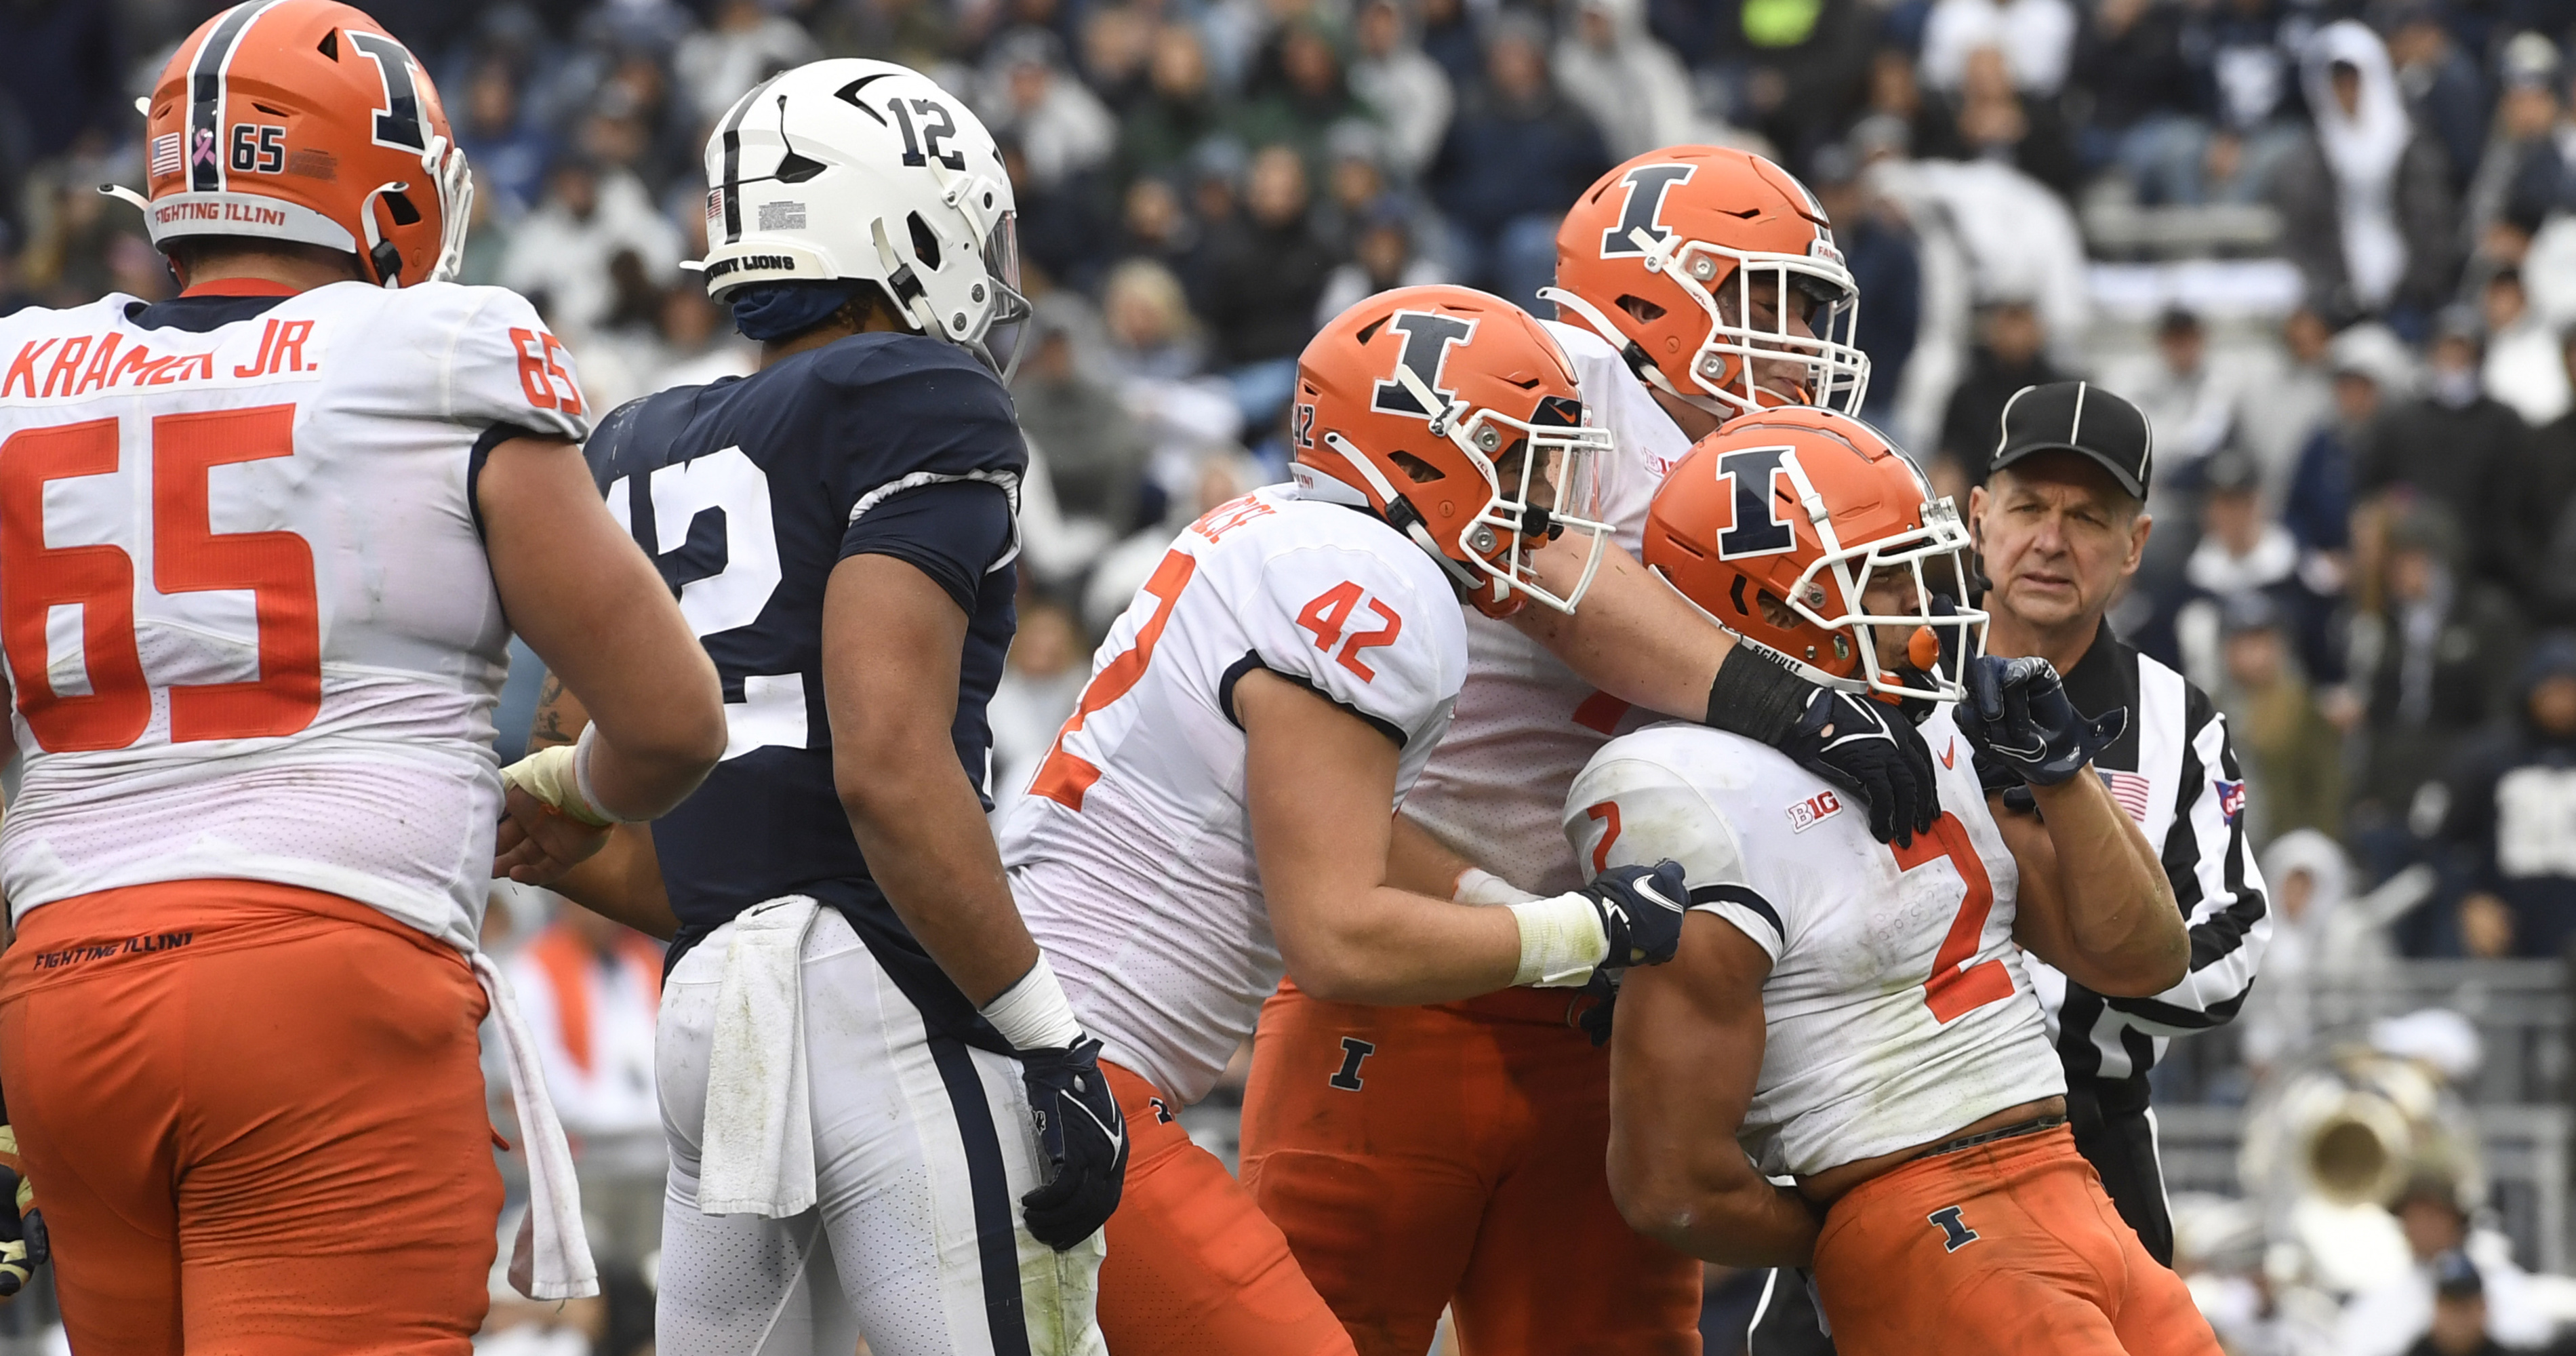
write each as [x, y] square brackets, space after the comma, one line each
[1483, 888]
[1032, 1014]
[1561, 941]
[552, 776]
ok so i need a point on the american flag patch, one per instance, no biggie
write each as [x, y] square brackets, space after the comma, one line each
[2131, 791]
[166, 155]
[2231, 799]
[715, 203]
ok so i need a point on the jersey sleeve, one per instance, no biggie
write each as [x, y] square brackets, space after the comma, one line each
[1353, 628]
[1627, 810]
[505, 368]
[954, 531]
[910, 411]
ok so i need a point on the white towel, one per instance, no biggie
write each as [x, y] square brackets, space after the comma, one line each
[550, 1260]
[758, 1154]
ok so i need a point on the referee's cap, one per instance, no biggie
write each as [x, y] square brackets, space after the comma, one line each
[2078, 416]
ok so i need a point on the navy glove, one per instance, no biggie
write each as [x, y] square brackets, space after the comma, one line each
[1641, 909]
[1594, 1021]
[2016, 713]
[1084, 1138]
[1846, 738]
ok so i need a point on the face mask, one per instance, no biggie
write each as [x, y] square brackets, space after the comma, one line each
[2455, 388]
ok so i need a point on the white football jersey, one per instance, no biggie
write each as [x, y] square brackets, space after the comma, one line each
[1898, 1008]
[249, 625]
[1131, 851]
[1525, 722]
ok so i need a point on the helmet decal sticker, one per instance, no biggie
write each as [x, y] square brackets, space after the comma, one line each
[1427, 338]
[1644, 207]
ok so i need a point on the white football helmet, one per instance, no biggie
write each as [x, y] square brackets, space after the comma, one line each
[865, 169]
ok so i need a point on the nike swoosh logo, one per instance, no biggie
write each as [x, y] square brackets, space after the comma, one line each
[1950, 754]
[1647, 889]
[1117, 1139]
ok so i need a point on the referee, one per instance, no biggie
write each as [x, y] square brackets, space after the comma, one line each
[2059, 524]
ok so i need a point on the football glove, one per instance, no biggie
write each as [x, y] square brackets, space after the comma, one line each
[1641, 910]
[1846, 738]
[1595, 1020]
[23, 1245]
[2016, 713]
[1084, 1138]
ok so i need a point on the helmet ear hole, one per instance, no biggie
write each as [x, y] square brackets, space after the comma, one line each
[1422, 472]
[925, 243]
[404, 213]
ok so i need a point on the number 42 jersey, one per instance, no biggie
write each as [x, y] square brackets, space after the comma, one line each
[1131, 855]
[1897, 1007]
[251, 630]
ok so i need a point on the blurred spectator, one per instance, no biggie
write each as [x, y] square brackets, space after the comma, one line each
[1633, 87]
[559, 255]
[2430, 660]
[508, 151]
[2320, 934]
[1061, 128]
[2444, 89]
[1515, 156]
[1799, 67]
[744, 43]
[2543, 505]
[2037, 38]
[915, 33]
[1151, 331]
[1987, 119]
[62, 73]
[1407, 88]
[1448, 36]
[1155, 225]
[2190, 403]
[1095, 453]
[2242, 554]
[2447, 1254]
[2293, 755]
[2513, 805]
[2243, 53]
[2129, 59]
[2522, 169]
[590, 989]
[1265, 270]
[1381, 257]
[1880, 250]
[1297, 93]
[1178, 110]
[2371, 371]
[1117, 45]
[2455, 445]
[2012, 353]
[2279, 405]
[2459, 1324]
[2366, 201]
[2524, 366]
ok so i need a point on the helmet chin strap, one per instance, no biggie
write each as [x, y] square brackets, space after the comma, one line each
[907, 289]
[1400, 513]
[445, 162]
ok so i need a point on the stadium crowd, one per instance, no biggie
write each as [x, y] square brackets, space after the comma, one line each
[2330, 248]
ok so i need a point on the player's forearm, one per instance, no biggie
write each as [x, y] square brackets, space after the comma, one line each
[1418, 862]
[1633, 637]
[623, 882]
[1391, 947]
[930, 849]
[1746, 1222]
[2119, 912]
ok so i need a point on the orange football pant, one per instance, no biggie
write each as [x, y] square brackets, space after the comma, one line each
[2007, 1248]
[254, 1119]
[1453, 1156]
[1194, 1268]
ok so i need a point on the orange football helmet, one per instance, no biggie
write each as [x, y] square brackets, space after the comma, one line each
[1667, 256]
[1453, 416]
[303, 120]
[1772, 527]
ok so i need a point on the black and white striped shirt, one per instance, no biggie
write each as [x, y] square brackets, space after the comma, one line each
[2174, 772]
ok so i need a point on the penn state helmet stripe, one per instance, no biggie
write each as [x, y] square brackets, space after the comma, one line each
[205, 149]
[732, 133]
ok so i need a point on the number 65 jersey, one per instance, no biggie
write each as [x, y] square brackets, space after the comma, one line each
[1131, 855]
[1897, 1006]
[251, 631]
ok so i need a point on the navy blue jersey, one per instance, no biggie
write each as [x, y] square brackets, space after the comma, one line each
[746, 493]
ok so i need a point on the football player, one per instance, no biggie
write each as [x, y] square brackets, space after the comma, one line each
[929, 1163]
[262, 547]
[1695, 283]
[1855, 1015]
[1218, 808]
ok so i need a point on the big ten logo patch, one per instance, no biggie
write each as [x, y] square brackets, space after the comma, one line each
[1814, 810]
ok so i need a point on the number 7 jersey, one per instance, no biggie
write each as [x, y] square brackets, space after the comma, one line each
[250, 628]
[1897, 1007]
[1131, 856]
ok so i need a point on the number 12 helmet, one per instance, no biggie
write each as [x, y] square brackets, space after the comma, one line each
[303, 121]
[1773, 526]
[852, 170]
[1453, 416]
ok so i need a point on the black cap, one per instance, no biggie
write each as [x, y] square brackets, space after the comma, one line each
[2456, 1277]
[2078, 416]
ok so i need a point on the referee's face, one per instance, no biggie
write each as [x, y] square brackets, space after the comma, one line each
[2057, 536]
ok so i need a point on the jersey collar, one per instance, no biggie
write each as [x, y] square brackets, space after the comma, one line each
[240, 287]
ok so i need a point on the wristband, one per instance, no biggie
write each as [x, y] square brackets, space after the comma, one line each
[1756, 696]
[1032, 1014]
[1481, 887]
[553, 776]
[1561, 941]
[582, 751]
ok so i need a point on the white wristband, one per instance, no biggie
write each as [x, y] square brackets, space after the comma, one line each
[582, 750]
[1561, 941]
[1032, 1014]
[555, 776]
[1478, 886]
